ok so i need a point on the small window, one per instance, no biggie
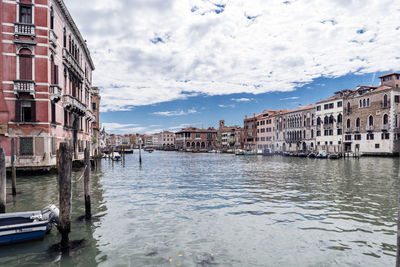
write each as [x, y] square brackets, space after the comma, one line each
[26, 111]
[94, 106]
[331, 105]
[318, 108]
[376, 145]
[326, 106]
[339, 104]
[397, 99]
[26, 146]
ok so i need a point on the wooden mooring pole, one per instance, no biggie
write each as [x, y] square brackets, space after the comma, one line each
[13, 169]
[86, 181]
[64, 180]
[140, 152]
[3, 182]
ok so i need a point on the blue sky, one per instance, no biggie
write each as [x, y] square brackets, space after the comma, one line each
[165, 64]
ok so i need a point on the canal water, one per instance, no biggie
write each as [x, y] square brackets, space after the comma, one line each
[184, 209]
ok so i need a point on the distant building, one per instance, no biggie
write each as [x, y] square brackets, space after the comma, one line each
[166, 140]
[228, 137]
[249, 133]
[196, 139]
[96, 111]
[265, 130]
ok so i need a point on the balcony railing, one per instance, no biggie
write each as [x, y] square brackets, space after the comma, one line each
[74, 104]
[356, 129]
[348, 130]
[21, 86]
[385, 127]
[24, 29]
[370, 128]
[55, 92]
[328, 126]
[53, 38]
[72, 62]
[339, 125]
[90, 115]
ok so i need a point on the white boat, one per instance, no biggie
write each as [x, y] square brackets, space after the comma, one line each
[322, 154]
[116, 156]
[239, 152]
[28, 226]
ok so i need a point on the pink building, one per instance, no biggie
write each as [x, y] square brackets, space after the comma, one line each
[265, 130]
[46, 82]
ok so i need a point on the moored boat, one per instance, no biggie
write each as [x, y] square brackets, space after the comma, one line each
[333, 156]
[239, 152]
[322, 154]
[302, 155]
[116, 156]
[312, 155]
[28, 226]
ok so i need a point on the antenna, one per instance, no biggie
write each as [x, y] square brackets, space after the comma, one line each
[373, 79]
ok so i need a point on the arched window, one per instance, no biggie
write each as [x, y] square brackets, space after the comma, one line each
[339, 118]
[364, 103]
[331, 119]
[348, 108]
[367, 102]
[385, 119]
[51, 18]
[25, 64]
[360, 103]
[319, 121]
[326, 120]
[348, 124]
[370, 120]
[385, 101]
[358, 122]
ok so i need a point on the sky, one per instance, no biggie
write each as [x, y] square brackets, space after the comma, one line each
[169, 64]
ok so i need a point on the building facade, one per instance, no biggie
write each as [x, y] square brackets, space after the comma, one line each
[265, 130]
[194, 139]
[46, 82]
[371, 118]
[228, 137]
[249, 133]
[329, 122]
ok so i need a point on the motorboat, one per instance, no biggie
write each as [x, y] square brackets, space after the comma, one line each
[28, 226]
[249, 153]
[302, 155]
[312, 155]
[116, 156]
[322, 154]
[239, 152]
[286, 154]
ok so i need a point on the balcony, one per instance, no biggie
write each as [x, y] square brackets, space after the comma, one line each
[385, 127]
[347, 130]
[356, 129]
[90, 115]
[55, 93]
[21, 86]
[339, 125]
[24, 29]
[370, 128]
[72, 63]
[318, 126]
[74, 105]
[328, 126]
[53, 38]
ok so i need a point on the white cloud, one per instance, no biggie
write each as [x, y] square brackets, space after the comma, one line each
[226, 106]
[154, 51]
[290, 98]
[242, 99]
[175, 113]
[120, 128]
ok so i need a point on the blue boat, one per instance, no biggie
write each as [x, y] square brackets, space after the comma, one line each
[28, 226]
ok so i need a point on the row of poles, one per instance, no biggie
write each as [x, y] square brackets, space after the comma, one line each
[65, 155]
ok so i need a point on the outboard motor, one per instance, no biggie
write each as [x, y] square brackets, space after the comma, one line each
[51, 213]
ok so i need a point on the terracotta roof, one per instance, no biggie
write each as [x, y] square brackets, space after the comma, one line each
[196, 130]
[389, 74]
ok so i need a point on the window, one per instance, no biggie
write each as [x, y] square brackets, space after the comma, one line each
[339, 131]
[370, 121]
[25, 65]
[364, 103]
[370, 136]
[397, 99]
[339, 104]
[318, 133]
[339, 118]
[26, 146]
[347, 137]
[26, 111]
[357, 137]
[376, 145]
[326, 106]
[358, 122]
[53, 145]
[51, 18]
[348, 124]
[360, 103]
[331, 105]
[65, 38]
[385, 101]
[319, 121]
[385, 136]
[318, 108]
[53, 112]
[94, 106]
[25, 14]
[385, 119]
[367, 102]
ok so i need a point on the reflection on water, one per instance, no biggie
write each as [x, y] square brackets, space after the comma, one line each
[182, 209]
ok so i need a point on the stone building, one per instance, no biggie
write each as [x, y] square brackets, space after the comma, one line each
[371, 118]
[46, 82]
[296, 130]
[228, 137]
[329, 122]
[249, 133]
[194, 139]
[265, 130]
[166, 140]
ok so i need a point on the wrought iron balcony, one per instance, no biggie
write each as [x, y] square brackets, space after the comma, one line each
[55, 92]
[370, 128]
[385, 127]
[22, 86]
[74, 105]
[24, 29]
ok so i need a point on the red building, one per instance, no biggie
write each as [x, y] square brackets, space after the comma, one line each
[45, 81]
